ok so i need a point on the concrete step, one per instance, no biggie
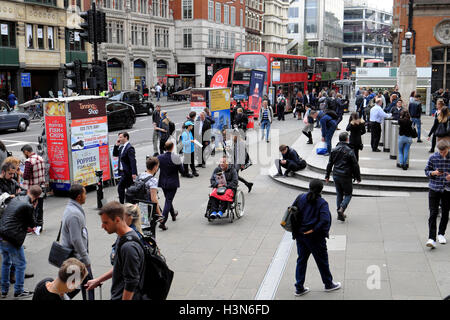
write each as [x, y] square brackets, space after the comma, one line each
[367, 184]
[329, 189]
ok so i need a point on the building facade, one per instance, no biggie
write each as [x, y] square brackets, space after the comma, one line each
[35, 46]
[140, 43]
[431, 37]
[315, 28]
[208, 34]
[274, 38]
[366, 33]
[254, 12]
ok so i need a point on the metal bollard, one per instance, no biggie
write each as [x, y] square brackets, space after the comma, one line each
[387, 135]
[99, 175]
[381, 144]
[394, 140]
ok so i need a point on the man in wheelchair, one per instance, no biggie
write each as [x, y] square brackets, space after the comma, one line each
[224, 180]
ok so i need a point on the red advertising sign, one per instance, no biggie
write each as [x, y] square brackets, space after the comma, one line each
[220, 79]
[55, 128]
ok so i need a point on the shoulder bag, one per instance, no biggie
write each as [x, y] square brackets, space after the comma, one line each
[59, 253]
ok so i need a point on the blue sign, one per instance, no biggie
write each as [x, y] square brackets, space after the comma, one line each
[26, 80]
[256, 91]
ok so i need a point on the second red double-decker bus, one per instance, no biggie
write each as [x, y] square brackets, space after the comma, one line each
[289, 73]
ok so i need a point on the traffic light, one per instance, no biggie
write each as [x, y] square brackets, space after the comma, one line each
[88, 26]
[72, 78]
[100, 26]
[100, 73]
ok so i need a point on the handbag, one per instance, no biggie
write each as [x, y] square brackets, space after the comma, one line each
[59, 253]
[413, 132]
[286, 221]
[442, 130]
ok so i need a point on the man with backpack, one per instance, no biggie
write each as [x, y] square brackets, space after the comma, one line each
[281, 105]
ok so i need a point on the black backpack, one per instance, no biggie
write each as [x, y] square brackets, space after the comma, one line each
[157, 278]
[138, 191]
[331, 103]
[171, 127]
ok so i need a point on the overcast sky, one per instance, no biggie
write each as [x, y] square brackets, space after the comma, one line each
[382, 4]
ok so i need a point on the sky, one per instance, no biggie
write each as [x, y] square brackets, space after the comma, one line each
[382, 4]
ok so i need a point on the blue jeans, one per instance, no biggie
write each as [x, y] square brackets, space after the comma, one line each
[328, 138]
[317, 246]
[344, 191]
[12, 255]
[404, 143]
[265, 124]
[416, 123]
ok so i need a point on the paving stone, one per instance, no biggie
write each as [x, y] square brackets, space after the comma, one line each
[413, 284]
[414, 262]
[358, 290]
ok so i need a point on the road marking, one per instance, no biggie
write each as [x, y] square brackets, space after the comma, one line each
[271, 281]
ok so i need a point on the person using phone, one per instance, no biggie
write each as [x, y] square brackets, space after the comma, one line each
[438, 169]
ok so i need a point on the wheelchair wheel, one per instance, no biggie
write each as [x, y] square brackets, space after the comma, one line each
[230, 212]
[239, 204]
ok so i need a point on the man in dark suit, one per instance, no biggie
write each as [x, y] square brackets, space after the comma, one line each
[202, 129]
[169, 181]
[127, 163]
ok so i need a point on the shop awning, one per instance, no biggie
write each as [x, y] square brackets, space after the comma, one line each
[183, 92]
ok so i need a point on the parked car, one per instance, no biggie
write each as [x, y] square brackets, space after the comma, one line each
[120, 115]
[10, 119]
[133, 98]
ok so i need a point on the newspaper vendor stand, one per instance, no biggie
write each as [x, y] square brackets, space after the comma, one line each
[77, 140]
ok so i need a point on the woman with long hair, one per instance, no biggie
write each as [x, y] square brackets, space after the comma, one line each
[357, 128]
[439, 105]
[133, 218]
[164, 132]
[442, 131]
[310, 227]
[404, 138]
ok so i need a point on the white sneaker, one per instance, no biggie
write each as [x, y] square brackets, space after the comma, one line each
[442, 239]
[431, 243]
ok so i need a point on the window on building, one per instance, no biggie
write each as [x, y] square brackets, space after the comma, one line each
[133, 5]
[233, 16]
[119, 32]
[217, 39]
[241, 17]
[187, 9]
[210, 38]
[134, 32]
[166, 38]
[47, 2]
[50, 38]
[233, 41]
[226, 14]
[118, 5]
[109, 32]
[164, 8]
[225, 43]
[40, 37]
[156, 7]
[157, 37]
[440, 68]
[311, 13]
[144, 36]
[211, 10]
[293, 12]
[187, 38]
[218, 13]
[292, 28]
[74, 41]
[143, 6]
[8, 34]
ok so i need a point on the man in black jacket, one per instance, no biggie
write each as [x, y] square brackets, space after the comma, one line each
[127, 163]
[346, 167]
[17, 219]
[7, 183]
[291, 161]
[415, 110]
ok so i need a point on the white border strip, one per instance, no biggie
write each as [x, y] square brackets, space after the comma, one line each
[272, 279]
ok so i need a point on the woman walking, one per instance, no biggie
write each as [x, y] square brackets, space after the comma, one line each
[266, 120]
[441, 125]
[357, 128]
[164, 131]
[439, 105]
[404, 138]
[310, 227]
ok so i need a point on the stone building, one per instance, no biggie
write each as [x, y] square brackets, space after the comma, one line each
[274, 37]
[254, 12]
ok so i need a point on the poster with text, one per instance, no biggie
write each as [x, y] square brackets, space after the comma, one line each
[85, 163]
[198, 100]
[220, 108]
[256, 91]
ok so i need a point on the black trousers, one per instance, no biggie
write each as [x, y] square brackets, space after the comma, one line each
[376, 135]
[309, 135]
[434, 199]
[189, 160]
[125, 182]
[39, 212]
[280, 113]
[289, 166]
[162, 142]
[90, 293]
[169, 195]
[217, 205]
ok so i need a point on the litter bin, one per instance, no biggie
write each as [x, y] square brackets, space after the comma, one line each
[381, 144]
[394, 140]
[386, 133]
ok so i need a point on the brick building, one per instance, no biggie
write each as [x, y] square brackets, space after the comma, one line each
[208, 33]
[431, 40]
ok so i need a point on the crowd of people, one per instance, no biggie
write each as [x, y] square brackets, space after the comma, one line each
[138, 211]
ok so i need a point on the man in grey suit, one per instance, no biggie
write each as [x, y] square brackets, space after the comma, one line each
[74, 233]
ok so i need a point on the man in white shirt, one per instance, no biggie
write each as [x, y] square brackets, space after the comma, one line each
[158, 91]
[377, 116]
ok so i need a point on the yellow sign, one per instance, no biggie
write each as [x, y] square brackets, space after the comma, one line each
[220, 99]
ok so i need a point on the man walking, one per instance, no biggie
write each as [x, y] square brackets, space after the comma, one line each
[16, 220]
[415, 110]
[128, 259]
[158, 91]
[345, 167]
[377, 116]
[291, 161]
[74, 233]
[203, 135]
[438, 170]
[34, 175]
[169, 181]
[127, 163]
[156, 117]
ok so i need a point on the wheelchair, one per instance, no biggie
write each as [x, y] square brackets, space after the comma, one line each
[235, 209]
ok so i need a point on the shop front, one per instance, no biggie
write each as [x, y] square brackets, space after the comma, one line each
[212, 65]
[114, 75]
[140, 72]
[186, 71]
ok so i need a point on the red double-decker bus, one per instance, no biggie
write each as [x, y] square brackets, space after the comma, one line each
[324, 71]
[289, 73]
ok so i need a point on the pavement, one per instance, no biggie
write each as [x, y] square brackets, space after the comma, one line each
[378, 253]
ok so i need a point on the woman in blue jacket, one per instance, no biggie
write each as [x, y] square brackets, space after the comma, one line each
[188, 150]
[311, 225]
